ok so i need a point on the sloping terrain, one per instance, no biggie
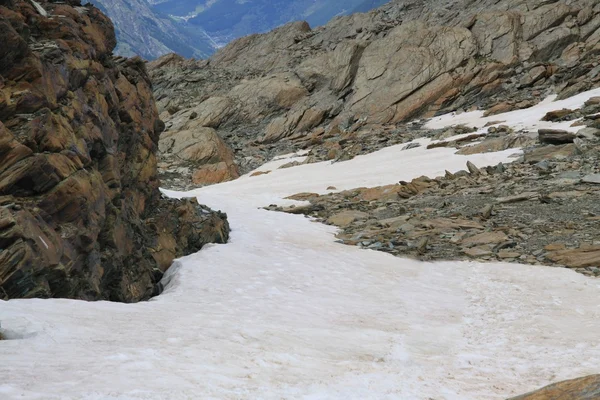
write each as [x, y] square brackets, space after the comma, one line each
[273, 93]
[282, 311]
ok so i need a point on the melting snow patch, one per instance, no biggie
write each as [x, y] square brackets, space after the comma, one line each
[39, 8]
[282, 311]
[528, 119]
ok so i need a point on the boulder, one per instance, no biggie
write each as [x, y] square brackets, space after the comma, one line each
[203, 150]
[555, 136]
[586, 388]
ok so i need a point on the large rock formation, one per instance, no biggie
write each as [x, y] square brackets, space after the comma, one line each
[81, 215]
[404, 60]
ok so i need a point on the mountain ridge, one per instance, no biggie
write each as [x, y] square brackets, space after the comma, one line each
[195, 28]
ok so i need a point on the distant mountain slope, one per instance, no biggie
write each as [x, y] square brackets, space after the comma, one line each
[230, 19]
[145, 32]
[196, 28]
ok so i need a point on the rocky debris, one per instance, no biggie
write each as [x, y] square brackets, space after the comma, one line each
[542, 213]
[81, 215]
[297, 87]
[586, 388]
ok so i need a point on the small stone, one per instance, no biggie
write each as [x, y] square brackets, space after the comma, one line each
[520, 197]
[543, 165]
[592, 178]
[477, 252]
[554, 247]
[508, 254]
[258, 173]
[422, 245]
[331, 188]
[473, 170]
[412, 145]
[486, 213]
[486, 238]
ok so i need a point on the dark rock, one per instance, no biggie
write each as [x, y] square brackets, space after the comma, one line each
[555, 136]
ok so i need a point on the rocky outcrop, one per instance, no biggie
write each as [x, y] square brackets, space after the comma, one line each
[81, 215]
[586, 388]
[404, 60]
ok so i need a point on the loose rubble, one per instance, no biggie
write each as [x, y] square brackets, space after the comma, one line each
[542, 209]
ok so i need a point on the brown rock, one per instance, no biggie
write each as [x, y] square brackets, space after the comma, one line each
[259, 173]
[203, 148]
[346, 218]
[214, 173]
[557, 115]
[587, 388]
[499, 108]
[503, 254]
[485, 238]
[477, 252]
[588, 256]
[554, 247]
[383, 83]
[81, 215]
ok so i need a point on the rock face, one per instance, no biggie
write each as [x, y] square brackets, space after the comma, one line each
[586, 388]
[404, 60]
[81, 215]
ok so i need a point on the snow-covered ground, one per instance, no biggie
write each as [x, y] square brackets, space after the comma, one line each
[284, 312]
[528, 119]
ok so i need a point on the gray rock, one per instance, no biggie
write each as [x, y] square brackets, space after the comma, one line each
[592, 178]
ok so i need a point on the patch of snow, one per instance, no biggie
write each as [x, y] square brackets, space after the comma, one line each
[528, 119]
[39, 8]
[44, 242]
[282, 311]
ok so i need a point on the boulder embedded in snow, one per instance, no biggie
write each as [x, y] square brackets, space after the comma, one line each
[587, 388]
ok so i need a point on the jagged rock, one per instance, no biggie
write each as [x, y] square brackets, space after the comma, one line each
[81, 215]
